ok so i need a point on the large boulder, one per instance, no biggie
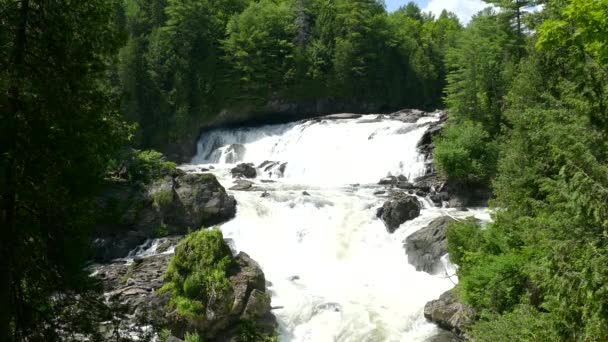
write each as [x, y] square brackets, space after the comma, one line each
[128, 214]
[198, 200]
[448, 313]
[135, 287]
[244, 171]
[398, 210]
[426, 246]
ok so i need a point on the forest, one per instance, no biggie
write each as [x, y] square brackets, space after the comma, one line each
[86, 86]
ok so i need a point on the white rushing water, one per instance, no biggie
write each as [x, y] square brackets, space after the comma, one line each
[336, 273]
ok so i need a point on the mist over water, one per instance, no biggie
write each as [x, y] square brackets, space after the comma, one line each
[335, 273]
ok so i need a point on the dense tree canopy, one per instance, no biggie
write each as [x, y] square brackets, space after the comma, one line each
[59, 127]
[539, 271]
[182, 65]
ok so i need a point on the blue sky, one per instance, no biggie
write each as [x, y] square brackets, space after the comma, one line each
[463, 8]
[392, 5]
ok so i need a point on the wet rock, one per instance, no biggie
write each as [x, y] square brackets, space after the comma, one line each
[282, 168]
[407, 115]
[293, 278]
[390, 180]
[379, 192]
[448, 313]
[265, 194]
[234, 153]
[241, 185]
[439, 198]
[404, 185]
[305, 193]
[341, 116]
[398, 210]
[426, 246]
[425, 144]
[244, 171]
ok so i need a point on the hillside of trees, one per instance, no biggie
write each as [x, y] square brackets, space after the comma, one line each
[526, 91]
[527, 98]
[185, 61]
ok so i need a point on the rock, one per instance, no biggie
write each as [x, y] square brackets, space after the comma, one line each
[241, 185]
[404, 185]
[379, 192]
[265, 194]
[398, 210]
[234, 153]
[425, 247]
[173, 339]
[425, 144]
[244, 170]
[439, 198]
[247, 300]
[128, 214]
[448, 313]
[390, 180]
[305, 193]
[282, 168]
[341, 116]
[407, 115]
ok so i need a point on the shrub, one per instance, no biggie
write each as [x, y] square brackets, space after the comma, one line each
[146, 166]
[192, 337]
[198, 272]
[161, 231]
[464, 153]
[162, 198]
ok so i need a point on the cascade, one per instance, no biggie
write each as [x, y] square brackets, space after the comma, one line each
[334, 272]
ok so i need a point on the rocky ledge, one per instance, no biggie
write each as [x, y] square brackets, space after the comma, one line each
[448, 313]
[131, 213]
[426, 246]
[135, 287]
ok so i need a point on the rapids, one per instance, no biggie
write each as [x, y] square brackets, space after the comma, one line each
[334, 272]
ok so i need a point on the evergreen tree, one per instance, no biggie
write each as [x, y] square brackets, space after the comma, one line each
[59, 128]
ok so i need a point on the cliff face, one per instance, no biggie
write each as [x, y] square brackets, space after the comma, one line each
[274, 112]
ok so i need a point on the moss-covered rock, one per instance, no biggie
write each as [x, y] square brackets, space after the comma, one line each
[212, 292]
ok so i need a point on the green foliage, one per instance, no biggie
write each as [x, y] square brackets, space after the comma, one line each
[198, 272]
[164, 334]
[192, 337]
[260, 46]
[162, 198]
[465, 153]
[186, 61]
[524, 323]
[538, 272]
[147, 166]
[249, 332]
[161, 231]
[59, 128]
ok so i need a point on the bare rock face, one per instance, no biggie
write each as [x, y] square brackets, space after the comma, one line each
[398, 210]
[448, 313]
[129, 214]
[426, 246]
[136, 286]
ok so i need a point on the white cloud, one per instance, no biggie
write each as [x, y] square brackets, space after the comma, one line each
[464, 9]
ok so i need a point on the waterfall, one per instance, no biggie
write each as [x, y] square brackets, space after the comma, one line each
[334, 272]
